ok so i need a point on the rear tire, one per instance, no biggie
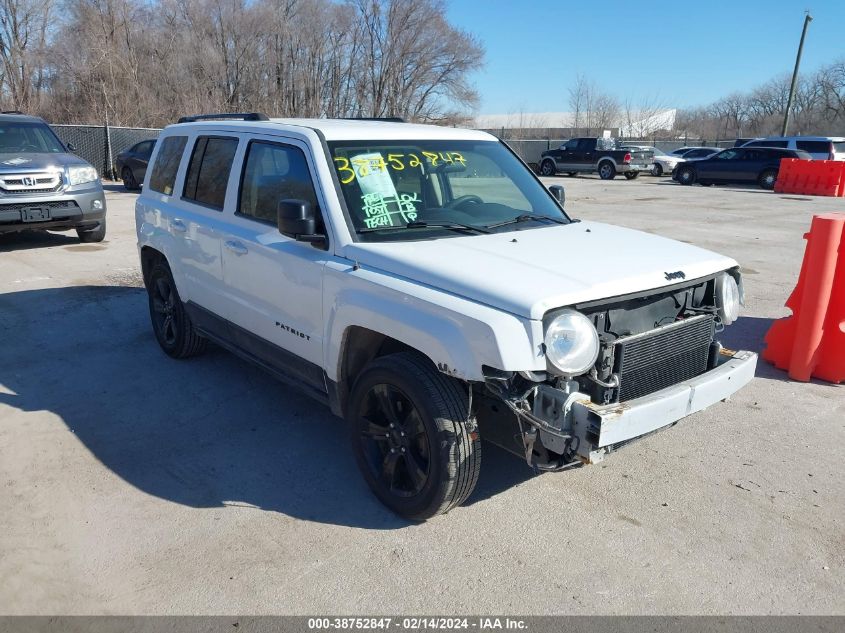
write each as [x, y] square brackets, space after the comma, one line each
[572, 174]
[97, 234]
[768, 179]
[416, 445]
[686, 175]
[607, 171]
[548, 168]
[171, 324]
[631, 175]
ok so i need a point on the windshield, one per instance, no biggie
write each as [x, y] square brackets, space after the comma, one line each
[19, 138]
[399, 190]
[658, 152]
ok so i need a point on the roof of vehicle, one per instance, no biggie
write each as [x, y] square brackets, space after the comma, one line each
[351, 130]
[19, 117]
[800, 138]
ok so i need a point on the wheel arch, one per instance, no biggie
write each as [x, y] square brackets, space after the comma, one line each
[150, 257]
[458, 337]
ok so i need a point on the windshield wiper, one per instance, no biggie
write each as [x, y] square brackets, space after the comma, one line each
[454, 226]
[527, 217]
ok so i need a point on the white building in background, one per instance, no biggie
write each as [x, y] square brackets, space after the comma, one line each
[633, 125]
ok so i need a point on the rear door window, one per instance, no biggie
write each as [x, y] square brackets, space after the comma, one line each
[163, 176]
[208, 171]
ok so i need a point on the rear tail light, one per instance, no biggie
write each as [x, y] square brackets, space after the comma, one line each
[627, 158]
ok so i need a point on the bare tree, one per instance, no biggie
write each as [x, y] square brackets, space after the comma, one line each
[24, 28]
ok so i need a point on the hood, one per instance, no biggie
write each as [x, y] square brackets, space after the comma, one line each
[42, 161]
[532, 271]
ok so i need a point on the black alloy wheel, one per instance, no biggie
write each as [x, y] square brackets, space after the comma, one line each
[171, 324]
[397, 445]
[415, 443]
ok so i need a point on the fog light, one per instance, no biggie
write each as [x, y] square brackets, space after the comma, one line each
[97, 205]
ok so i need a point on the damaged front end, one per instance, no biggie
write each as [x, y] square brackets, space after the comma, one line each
[658, 360]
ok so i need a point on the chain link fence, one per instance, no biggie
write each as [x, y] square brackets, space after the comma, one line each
[100, 144]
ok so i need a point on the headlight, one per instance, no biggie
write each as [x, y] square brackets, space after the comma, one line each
[80, 175]
[727, 298]
[572, 343]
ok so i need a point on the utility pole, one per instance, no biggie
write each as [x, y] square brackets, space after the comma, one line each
[807, 19]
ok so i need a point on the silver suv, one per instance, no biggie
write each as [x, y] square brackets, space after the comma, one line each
[43, 186]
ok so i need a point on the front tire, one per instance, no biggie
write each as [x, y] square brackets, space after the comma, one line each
[686, 175]
[631, 175]
[547, 168]
[97, 234]
[129, 182]
[657, 170]
[171, 324]
[607, 171]
[414, 441]
[768, 179]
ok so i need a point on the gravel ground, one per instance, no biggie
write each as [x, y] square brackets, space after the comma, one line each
[134, 484]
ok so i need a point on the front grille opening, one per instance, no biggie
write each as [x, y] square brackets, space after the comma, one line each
[654, 360]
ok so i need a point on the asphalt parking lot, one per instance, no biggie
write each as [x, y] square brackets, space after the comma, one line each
[135, 484]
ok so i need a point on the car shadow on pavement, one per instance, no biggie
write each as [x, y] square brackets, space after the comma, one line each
[26, 240]
[207, 432]
[749, 333]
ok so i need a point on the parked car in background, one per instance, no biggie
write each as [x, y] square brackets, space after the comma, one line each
[132, 163]
[602, 155]
[663, 163]
[742, 141]
[819, 147]
[692, 153]
[742, 165]
[43, 185]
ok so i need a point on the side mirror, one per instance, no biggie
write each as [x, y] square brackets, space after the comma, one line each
[71, 147]
[558, 192]
[298, 219]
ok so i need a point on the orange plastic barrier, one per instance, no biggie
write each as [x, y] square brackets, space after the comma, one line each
[811, 177]
[811, 342]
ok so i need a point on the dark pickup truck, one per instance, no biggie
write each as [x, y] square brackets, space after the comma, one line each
[591, 154]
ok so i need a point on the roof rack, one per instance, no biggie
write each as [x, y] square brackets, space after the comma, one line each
[233, 116]
[383, 119]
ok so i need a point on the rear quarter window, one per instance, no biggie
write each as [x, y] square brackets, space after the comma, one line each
[163, 176]
[814, 147]
[782, 144]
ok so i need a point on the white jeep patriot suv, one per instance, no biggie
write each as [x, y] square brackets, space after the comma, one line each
[422, 282]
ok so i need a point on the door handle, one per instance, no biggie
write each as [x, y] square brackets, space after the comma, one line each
[236, 247]
[178, 225]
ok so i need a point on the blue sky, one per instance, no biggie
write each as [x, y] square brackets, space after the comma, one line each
[688, 53]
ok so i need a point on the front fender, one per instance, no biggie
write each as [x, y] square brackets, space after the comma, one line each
[459, 336]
